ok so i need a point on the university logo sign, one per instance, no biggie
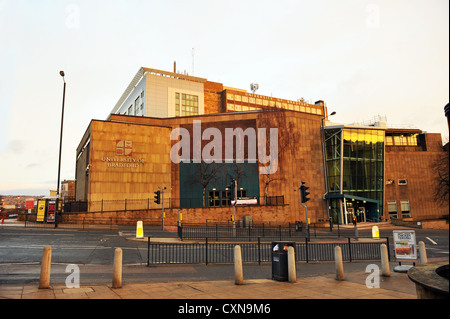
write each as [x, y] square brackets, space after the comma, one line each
[124, 147]
[124, 150]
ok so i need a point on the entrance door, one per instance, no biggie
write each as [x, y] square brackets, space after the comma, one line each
[361, 214]
[350, 215]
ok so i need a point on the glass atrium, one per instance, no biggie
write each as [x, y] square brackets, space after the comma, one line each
[355, 173]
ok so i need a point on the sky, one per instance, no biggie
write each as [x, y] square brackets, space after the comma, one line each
[364, 58]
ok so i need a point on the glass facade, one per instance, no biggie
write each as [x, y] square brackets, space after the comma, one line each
[355, 173]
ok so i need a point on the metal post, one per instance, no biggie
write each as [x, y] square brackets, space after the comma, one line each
[306, 249]
[306, 215]
[206, 250]
[234, 208]
[162, 202]
[259, 250]
[349, 249]
[148, 251]
[389, 252]
[60, 148]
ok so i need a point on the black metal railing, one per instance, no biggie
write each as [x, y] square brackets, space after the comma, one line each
[209, 252]
[252, 231]
[72, 221]
[148, 203]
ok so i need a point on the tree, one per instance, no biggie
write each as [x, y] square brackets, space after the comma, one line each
[288, 137]
[204, 174]
[236, 172]
[441, 167]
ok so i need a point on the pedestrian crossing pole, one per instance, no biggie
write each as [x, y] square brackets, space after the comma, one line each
[303, 199]
[162, 202]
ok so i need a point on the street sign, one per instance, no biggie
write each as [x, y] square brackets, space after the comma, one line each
[41, 211]
[29, 203]
[405, 244]
[245, 201]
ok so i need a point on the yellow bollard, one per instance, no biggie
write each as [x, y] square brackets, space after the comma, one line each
[139, 229]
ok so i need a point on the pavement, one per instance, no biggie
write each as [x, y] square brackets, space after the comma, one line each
[166, 285]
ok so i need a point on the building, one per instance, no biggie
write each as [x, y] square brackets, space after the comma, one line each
[67, 189]
[190, 138]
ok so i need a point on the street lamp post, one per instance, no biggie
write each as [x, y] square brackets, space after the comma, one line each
[325, 165]
[60, 147]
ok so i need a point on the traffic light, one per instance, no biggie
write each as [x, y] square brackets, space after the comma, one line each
[157, 197]
[232, 188]
[354, 220]
[303, 193]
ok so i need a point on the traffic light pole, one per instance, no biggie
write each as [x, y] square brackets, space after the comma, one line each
[306, 215]
[162, 203]
[303, 199]
[234, 208]
[356, 227]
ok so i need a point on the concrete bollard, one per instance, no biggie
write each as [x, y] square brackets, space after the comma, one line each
[292, 273]
[238, 273]
[422, 253]
[338, 263]
[117, 272]
[385, 271]
[44, 281]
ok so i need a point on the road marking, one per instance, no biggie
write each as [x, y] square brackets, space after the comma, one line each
[431, 240]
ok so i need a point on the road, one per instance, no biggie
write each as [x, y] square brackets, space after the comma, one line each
[93, 251]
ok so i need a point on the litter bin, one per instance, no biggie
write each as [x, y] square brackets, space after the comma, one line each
[280, 259]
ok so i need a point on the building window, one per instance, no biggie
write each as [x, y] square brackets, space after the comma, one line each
[130, 110]
[214, 198]
[402, 139]
[392, 208]
[218, 198]
[389, 140]
[402, 182]
[186, 104]
[177, 104]
[404, 205]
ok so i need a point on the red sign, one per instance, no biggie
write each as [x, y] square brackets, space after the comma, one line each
[29, 204]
